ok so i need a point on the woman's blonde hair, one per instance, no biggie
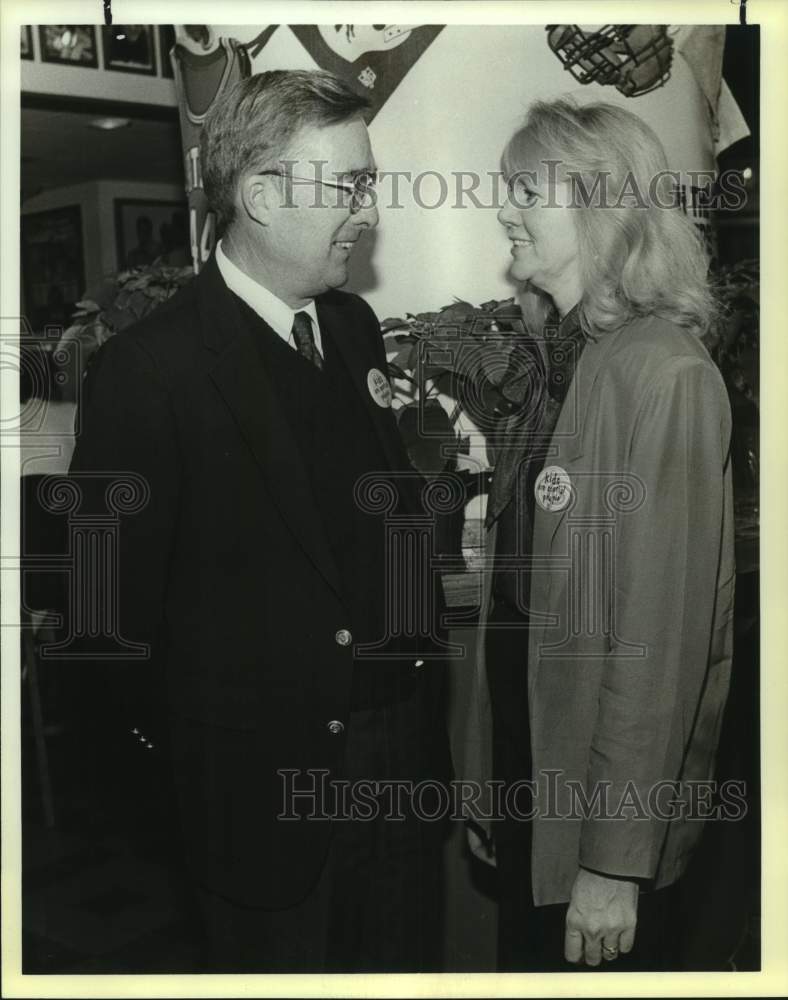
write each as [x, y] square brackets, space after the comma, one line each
[639, 254]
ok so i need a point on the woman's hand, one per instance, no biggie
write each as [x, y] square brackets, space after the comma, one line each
[601, 919]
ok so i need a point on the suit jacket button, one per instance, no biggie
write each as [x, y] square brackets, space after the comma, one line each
[343, 637]
[336, 728]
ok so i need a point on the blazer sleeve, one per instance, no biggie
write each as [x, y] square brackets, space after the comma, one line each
[126, 468]
[669, 553]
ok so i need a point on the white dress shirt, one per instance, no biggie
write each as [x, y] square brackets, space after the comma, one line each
[276, 313]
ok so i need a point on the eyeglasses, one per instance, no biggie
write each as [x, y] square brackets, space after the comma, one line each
[361, 188]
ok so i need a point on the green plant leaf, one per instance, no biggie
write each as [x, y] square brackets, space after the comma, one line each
[393, 323]
[395, 371]
[426, 431]
[508, 309]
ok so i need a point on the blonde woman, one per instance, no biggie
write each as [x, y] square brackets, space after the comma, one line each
[606, 637]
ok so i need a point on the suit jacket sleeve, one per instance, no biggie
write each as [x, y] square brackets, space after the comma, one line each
[667, 559]
[128, 437]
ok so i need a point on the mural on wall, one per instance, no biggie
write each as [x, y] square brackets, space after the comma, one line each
[372, 58]
[202, 72]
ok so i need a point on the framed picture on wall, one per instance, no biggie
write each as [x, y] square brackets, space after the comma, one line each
[53, 266]
[147, 230]
[166, 42]
[129, 48]
[69, 44]
[26, 42]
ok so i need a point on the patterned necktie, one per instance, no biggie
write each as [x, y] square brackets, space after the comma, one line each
[305, 339]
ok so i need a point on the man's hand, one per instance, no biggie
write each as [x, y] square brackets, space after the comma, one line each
[601, 919]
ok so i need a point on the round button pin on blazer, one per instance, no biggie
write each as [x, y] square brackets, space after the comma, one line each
[379, 387]
[553, 488]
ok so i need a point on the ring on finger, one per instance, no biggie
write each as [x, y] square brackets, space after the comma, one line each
[609, 952]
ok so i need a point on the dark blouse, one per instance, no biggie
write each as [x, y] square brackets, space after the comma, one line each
[523, 456]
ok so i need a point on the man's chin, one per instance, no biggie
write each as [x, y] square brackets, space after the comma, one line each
[338, 279]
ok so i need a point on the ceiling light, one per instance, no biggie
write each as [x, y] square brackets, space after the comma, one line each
[108, 124]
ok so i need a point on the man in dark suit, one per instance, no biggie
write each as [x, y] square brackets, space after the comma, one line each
[254, 408]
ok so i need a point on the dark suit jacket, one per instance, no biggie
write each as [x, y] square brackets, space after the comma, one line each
[226, 572]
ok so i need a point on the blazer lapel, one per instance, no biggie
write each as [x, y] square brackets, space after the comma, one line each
[357, 359]
[568, 444]
[568, 441]
[246, 389]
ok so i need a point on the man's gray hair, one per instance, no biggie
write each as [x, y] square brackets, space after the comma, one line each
[252, 125]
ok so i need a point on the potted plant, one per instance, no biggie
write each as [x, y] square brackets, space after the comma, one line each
[120, 301]
[452, 385]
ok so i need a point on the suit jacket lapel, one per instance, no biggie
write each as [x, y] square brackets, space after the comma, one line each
[357, 359]
[568, 440]
[241, 379]
[567, 448]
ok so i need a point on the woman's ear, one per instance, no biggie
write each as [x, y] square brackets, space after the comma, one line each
[254, 195]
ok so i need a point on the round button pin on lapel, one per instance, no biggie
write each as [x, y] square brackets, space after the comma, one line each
[379, 387]
[553, 488]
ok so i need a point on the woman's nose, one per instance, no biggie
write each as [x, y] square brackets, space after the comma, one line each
[507, 214]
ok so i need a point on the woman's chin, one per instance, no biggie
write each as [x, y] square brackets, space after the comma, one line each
[522, 273]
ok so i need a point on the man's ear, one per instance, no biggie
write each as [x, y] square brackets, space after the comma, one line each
[254, 194]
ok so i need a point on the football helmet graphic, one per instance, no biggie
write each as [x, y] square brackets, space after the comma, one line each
[634, 58]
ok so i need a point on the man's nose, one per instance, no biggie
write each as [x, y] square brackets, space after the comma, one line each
[367, 217]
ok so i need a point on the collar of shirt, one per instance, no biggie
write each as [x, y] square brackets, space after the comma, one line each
[276, 313]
